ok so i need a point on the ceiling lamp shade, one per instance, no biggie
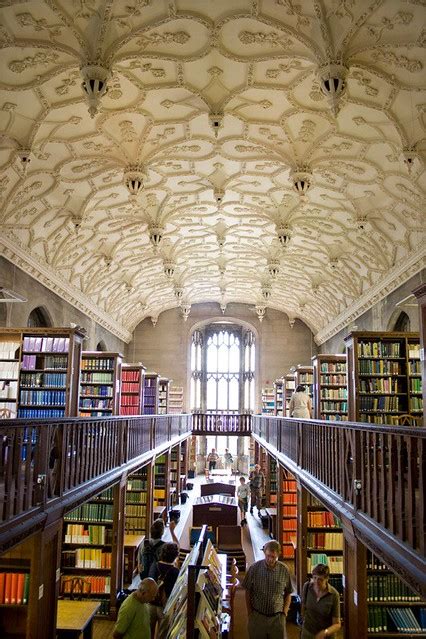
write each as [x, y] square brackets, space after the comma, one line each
[273, 267]
[266, 291]
[301, 180]
[155, 235]
[178, 292]
[260, 311]
[134, 180]
[185, 310]
[169, 268]
[333, 84]
[95, 78]
[284, 235]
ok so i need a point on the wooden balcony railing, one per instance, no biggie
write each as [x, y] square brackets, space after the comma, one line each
[220, 424]
[43, 461]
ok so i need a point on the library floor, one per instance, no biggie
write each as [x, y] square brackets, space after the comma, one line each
[254, 536]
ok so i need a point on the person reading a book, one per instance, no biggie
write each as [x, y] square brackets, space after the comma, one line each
[320, 606]
[268, 595]
[133, 616]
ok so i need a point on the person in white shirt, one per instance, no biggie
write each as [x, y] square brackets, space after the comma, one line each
[243, 491]
[300, 403]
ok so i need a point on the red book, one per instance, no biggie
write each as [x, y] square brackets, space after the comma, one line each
[2, 583]
[8, 588]
[20, 588]
[14, 588]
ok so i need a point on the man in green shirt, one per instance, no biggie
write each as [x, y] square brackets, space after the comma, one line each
[133, 616]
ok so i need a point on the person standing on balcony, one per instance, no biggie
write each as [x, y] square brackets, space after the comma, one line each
[300, 403]
[268, 595]
[257, 488]
[320, 606]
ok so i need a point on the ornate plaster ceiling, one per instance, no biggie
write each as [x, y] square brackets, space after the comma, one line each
[217, 105]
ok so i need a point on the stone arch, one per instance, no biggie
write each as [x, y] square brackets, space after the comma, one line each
[399, 321]
[39, 318]
[101, 346]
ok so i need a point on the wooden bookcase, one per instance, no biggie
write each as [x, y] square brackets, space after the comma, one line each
[175, 399]
[393, 610]
[268, 400]
[174, 476]
[39, 370]
[150, 393]
[271, 481]
[132, 384]
[161, 483]
[415, 399]
[183, 464]
[287, 514]
[330, 387]
[305, 375]
[380, 374]
[289, 387]
[279, 408]
[15, 580]
[136, 510]
[89, 549]
[163, 395]
[100, 384]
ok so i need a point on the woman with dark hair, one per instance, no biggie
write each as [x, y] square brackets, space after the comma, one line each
[165, 573]
[320, 606]
[300, 403]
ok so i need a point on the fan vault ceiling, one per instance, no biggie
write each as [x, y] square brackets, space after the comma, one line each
[181, 187]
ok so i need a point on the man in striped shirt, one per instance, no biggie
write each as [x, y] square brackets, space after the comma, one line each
[268, 595]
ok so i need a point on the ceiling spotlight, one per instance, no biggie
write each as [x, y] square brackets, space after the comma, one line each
[185, 310]
[284, 235]
[216, 121]
[273, 267]
[155, 235]
[301, 179]
[260, 310]
[95, 78]
[134, 179]
[266, 291]
[169, 268]
[333, 83]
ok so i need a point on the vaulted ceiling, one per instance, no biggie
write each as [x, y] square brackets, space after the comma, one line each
[164, 152]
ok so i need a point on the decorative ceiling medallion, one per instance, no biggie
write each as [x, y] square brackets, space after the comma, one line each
[95, 79]
[333, 84]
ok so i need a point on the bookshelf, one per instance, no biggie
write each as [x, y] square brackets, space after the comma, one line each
[39, 371]
[100, 384]
[192, 455]
[14, 595]
[175, 399]
[392, 608]
[88, 550]
[268, 400]
[380, 373]
[209, 594]
[288, 502]
[272, 481]
[160, 481]
[136, 520]
[415, 399]
[289, 388]
[279, 408]
[132, 382]
[305, 375]
[150, 393]
[330, 387]
[163, 395]
[174, 476]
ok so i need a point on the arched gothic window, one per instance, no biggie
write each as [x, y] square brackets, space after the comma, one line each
[222, 369]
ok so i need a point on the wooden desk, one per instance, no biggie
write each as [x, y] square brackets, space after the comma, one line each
[272, 521]
[214, 510]
[75, 617]
[217, 488]
[131, 547]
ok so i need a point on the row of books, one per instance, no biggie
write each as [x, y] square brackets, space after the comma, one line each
[334, 406]
[333, 380]
[385, 403]
[379, 349]
[290, 498]
[80, 534]
[43, 379]
[416, 404]
[129, 387]
[45, 344]
[323, 519]
[401, 620]
[97, 391]
[289, 511]
[379, 385]
[150, 391]
[43, 397]
[14, 588]
[135, 525]
[136, 484]
[334, 393]
[9, 350]
[130, 376]
[289, 485]
[379, 367]
[9, 370]
[92, 584]
[32, 362]
[149, 410]
[90, 558]
[91, 512]
[8, 390]
[98, 363]
[384, 418]
[336, 417]
[388, 587]
[325, 540]
[129, 400]
[414, 368]
[414, 351]
[41, 413]
[333, 367]
[136, 497]
[96, 378]
[135, 511]
[416, 385]
[129, 410]
[95, 403]
[334, 563]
